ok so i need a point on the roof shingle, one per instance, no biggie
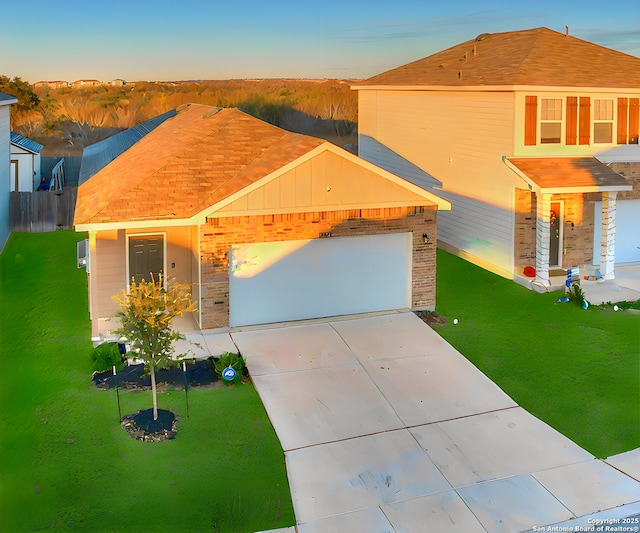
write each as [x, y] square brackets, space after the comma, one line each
[535, 57]
[186, 164]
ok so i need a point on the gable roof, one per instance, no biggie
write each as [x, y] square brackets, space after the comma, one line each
[534, 57]
[27, 144]
[197, 161]
[186, 164]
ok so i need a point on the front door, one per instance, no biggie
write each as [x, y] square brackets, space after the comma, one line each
[555, 235]
[146, 257]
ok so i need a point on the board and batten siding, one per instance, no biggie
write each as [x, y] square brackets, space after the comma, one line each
[327, 181]
[456, 139]
[5, 168]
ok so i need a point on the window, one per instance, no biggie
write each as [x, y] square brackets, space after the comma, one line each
[602, 120]
[550, 120]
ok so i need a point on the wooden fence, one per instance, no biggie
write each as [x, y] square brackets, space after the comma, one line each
[42, 210]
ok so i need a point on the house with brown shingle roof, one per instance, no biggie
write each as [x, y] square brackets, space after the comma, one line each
[508, 127]
[266, 225]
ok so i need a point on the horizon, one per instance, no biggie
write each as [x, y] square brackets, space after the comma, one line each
[257, 40]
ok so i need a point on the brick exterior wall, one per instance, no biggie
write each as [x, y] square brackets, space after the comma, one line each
[218, 234]
[577, 239]
[631, 171]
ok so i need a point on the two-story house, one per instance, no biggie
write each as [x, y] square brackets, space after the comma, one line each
[6, 101]
[508, 127]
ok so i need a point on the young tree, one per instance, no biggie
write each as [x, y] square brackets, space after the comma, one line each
[146, 315]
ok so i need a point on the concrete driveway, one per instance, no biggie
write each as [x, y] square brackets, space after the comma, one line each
[386, 427]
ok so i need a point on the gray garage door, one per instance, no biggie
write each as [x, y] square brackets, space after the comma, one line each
[296, 280]
[627, 231]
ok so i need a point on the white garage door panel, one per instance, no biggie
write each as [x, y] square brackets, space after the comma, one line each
[627, 231]
[296, 280]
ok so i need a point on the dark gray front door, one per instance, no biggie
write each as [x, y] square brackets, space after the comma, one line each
[146, 257]
[554, 234]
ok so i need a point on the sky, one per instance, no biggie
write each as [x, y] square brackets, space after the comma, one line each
[159, 40]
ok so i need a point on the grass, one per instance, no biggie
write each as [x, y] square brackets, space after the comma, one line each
[65, 462]
[577, 370]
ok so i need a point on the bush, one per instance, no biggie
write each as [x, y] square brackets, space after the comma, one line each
[105, 356]
[233, 360]
[576, 294]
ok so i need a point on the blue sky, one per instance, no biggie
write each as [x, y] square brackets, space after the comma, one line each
[198, 39]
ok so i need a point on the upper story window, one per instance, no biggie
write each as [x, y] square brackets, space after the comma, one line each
[550, 120]
[581, 120]
[602, 120]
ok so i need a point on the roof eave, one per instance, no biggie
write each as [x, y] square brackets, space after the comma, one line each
[498, 88]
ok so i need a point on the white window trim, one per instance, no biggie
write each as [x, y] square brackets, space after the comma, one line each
[561, 120]
[613, 121]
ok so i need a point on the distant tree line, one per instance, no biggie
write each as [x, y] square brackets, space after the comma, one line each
[82, 116]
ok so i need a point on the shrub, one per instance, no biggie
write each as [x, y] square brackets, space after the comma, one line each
[105, 356]
[576, 294]
[233, 360]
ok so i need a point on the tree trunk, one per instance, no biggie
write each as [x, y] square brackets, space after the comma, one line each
[153, 392]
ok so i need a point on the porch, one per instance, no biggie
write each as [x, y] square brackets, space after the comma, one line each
[555, 224]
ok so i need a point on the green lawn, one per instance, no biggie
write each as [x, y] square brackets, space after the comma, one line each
[577, 370]
[65, 462]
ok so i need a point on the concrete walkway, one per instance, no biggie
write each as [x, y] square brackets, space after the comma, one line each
[625, 286]
[386, 427]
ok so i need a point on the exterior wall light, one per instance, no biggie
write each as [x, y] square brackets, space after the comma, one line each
[425, 238]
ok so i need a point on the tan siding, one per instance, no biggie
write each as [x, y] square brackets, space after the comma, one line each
[458, 138]
[110, 271]
[195, 268]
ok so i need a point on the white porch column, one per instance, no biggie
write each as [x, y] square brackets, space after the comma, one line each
[543, 232]
[608, 235]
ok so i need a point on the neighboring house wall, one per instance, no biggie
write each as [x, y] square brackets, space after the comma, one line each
[459, 138]
[5, 170]
[220, 233]
[27, 167]
[573, 139]
[576, 226]
[631, 171]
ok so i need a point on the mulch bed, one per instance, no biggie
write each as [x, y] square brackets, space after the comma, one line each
[141, 425]
[431, 318]
[199, 374]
